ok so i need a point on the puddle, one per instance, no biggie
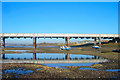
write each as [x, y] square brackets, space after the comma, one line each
[87, 69]
[18, 71]
[62, 65]
[38, 69]
[111, 70]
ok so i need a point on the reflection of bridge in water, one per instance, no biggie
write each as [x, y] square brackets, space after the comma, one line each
[65, 56]
[67, 59]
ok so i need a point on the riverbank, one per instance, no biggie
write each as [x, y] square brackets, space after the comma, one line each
[72, 71]
[49, 72]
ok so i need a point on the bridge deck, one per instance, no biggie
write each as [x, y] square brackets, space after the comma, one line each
[55, 35]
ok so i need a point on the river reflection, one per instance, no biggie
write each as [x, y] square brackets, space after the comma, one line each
[47, 56]
[32, 46]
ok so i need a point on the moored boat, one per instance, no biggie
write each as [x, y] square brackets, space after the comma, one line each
[96, 47]
[65, 48]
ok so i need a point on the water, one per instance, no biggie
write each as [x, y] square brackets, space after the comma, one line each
[48, 46]
[19, 46]
[18, 50]
[111, 70]
[87, 69]
[80, 56]
[45, 56]
[50, 55]
[18, 56]
[18, 71]
[62, 65]
[32, 46]
[38, 69]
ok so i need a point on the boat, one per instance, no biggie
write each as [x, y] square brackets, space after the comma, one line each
[96, 47]
[116, 50]
[65, 48]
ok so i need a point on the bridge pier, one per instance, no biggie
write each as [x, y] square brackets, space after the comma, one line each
[67, 41]
[34, 56]
[99, 41]
[95, 57]
[3, 57]
[34, 42]
[67, 56]
[116, 40]
[99, 57]
[95, 41]
[3, 44]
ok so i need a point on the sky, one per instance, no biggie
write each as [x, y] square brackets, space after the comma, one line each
[60, 17]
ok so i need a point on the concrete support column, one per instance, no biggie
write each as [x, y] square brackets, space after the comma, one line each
[34, 42]
[67, 41]
[95, 41]
[3, 57]
[0, 43]
[34, 56]
[3, 44]
[99, 41]
[100, 57]
[95, 57]
[67, 56]
[116, 40]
